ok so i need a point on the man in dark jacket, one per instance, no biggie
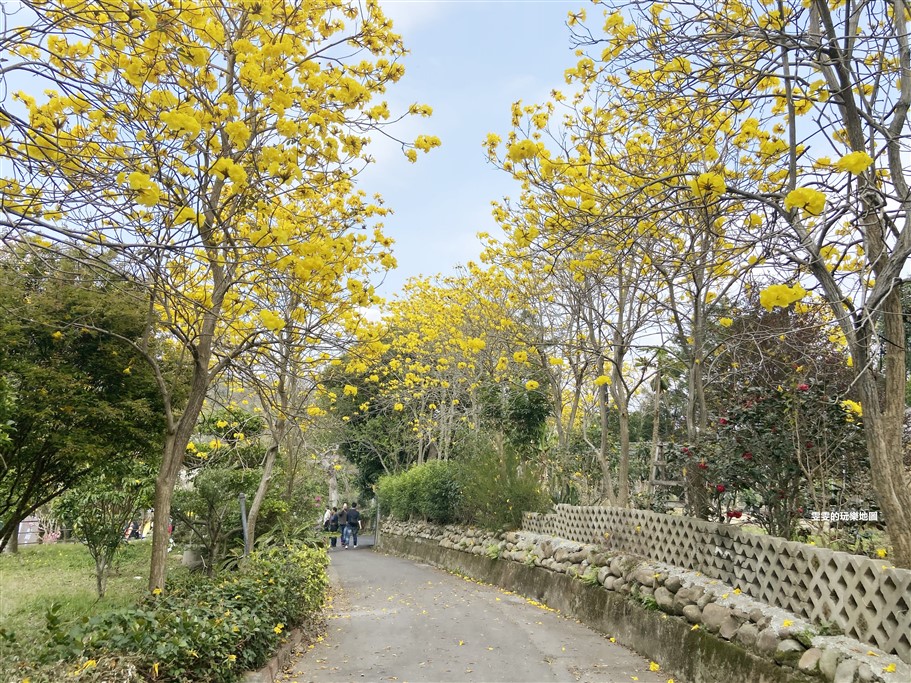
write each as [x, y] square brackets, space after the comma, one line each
[333, 527]
[343, 524]
[354, 523]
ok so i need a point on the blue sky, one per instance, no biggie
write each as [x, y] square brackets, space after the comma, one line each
[469, 61]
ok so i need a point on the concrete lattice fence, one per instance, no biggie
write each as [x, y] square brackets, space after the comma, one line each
[867, 599]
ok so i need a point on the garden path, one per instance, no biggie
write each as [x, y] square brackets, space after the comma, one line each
[396, 620]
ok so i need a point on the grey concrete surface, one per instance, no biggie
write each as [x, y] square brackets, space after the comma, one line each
[396, 620]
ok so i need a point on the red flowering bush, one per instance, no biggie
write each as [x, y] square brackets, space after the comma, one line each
[775, 452]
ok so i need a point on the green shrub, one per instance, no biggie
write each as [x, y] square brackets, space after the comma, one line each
[412, 494]
[387, 493]
[440, 493]
[431, 491]
[498, 487]
[491, 488]
[205, 629]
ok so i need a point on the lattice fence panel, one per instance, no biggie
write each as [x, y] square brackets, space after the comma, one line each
[866, 599]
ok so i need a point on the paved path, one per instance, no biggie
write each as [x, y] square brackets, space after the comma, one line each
[396, 620]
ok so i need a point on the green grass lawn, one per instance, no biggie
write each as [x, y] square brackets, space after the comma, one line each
[38, 576]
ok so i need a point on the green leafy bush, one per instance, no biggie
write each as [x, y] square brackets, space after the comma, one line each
[204, 629]
[498, 487]
[440, 493]
[491, 488]
[208, 512]
[432, 491]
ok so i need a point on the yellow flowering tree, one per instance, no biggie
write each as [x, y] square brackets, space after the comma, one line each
[812, 98]
[627, 200]
[187, 137]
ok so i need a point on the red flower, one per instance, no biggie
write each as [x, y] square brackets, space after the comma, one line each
[722, 420]
[747, 456]
[701, 465]
[809, 444]
[735, 514]
[719, 488]
[685, 450]
[803, 387]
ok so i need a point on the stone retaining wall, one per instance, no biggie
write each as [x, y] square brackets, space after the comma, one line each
[867, 599]
[766, 643]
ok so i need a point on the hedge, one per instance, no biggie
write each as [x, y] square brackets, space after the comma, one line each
[201, 630]
[490, 490]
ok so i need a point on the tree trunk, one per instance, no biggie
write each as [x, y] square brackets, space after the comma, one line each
[13, 545]
[695, 421]
[101, 576]
[161, 518]
[623, 470]
[261, 491]
[883, 426]
[607, 484]
[172, 461]
[656, 432]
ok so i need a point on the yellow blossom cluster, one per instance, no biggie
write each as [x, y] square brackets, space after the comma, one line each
[780, 296]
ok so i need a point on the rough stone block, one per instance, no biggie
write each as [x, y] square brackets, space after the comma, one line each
[809, 661]
[688, 595]
[728, 628]
[713, 615]
[601, 559]
[844, 672]
[673, 583]
[544, 549]
[829, 662]
[577, 557]
[747, 635]
[789, 652]
[865, 673]
[665, 600]
[693, 614]
[767, 641]
[644, 576]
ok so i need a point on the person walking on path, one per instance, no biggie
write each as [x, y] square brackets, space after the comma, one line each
[354, 523]
[326, 515]
[333, 527]
[343, 524]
